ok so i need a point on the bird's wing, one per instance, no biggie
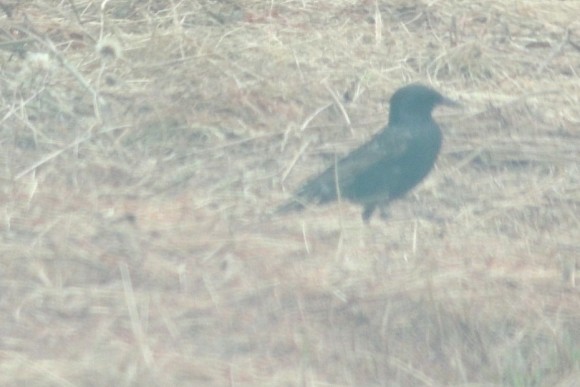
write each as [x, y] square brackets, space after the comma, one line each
[390, 143]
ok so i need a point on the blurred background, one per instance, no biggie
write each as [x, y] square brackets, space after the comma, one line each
[145, 144]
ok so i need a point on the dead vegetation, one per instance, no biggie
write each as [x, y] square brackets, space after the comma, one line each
[145, 143]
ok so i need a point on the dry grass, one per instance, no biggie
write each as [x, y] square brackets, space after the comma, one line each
[146, 142]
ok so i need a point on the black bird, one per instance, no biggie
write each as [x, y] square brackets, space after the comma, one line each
[393, 162]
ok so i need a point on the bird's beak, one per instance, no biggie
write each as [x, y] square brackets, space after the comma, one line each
[451, 103]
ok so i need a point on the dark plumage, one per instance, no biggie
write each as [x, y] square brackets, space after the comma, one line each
[394, 161]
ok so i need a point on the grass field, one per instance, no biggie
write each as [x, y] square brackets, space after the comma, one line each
[145, 144]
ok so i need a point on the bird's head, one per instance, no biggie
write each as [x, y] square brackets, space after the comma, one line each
[416, 102]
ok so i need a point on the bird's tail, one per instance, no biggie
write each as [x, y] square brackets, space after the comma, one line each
[291, 206]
